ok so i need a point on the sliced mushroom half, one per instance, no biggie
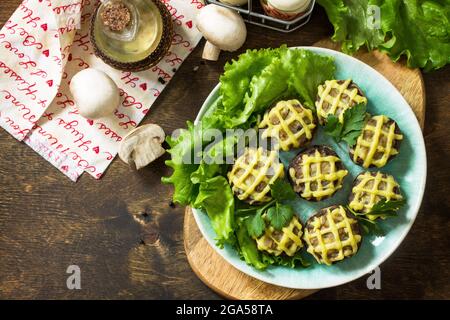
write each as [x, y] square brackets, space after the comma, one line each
[142, 146]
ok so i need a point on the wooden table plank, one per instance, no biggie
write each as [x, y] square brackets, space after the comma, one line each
[128, 241]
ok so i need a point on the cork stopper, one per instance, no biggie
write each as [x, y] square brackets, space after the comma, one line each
[116, 16]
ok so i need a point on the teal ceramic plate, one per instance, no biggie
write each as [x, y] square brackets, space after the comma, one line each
[409, 169]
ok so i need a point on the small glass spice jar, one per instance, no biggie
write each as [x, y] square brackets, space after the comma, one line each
[131, 35]
[285, 9]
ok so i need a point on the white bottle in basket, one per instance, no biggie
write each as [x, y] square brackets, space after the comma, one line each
[285, 9]
[234, 2]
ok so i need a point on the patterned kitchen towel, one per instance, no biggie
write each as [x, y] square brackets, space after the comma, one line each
[42, 46]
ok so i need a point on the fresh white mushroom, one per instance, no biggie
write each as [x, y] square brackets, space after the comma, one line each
[234, 2]
[223, 28]
[142, 146]
[95, 93]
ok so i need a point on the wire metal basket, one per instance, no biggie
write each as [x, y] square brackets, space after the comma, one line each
[254, 14]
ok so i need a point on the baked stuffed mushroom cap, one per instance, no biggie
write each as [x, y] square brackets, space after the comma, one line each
[286, 241]
[332, 234]
[316, 173]
[378, 143]
[252, 174]
[336, 96]
[370, 188]
[289, 123]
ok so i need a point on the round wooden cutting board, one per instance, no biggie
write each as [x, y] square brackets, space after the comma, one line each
[230, 283]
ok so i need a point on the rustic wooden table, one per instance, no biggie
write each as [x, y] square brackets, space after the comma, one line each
[127, 239]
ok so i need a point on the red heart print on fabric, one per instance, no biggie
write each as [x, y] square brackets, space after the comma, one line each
[50, 83]
[91, 122]
[143, 86]
[46, 53]
[189, 24]
[44, 27]
[96, 149]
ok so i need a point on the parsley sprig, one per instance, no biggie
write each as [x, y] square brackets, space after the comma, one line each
[278, 214]
[382, 209]
[282, 191]
[350, 129]
[255, 225]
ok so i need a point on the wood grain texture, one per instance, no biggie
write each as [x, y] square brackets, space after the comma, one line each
[231, 283]
[128, 241]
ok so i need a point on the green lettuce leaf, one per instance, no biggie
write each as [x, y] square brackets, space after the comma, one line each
[416, 29]
[217, 199]
[182, 153]
[218, 152]
[215, 116]
[185, 191]
[235, 81]
[297, 260]
[184, 161]
[419, 30]
[206, 171]
[307, 71]
[349, 18]
[290, 73]
[247, 249]
[214, 159]
[264, 89]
